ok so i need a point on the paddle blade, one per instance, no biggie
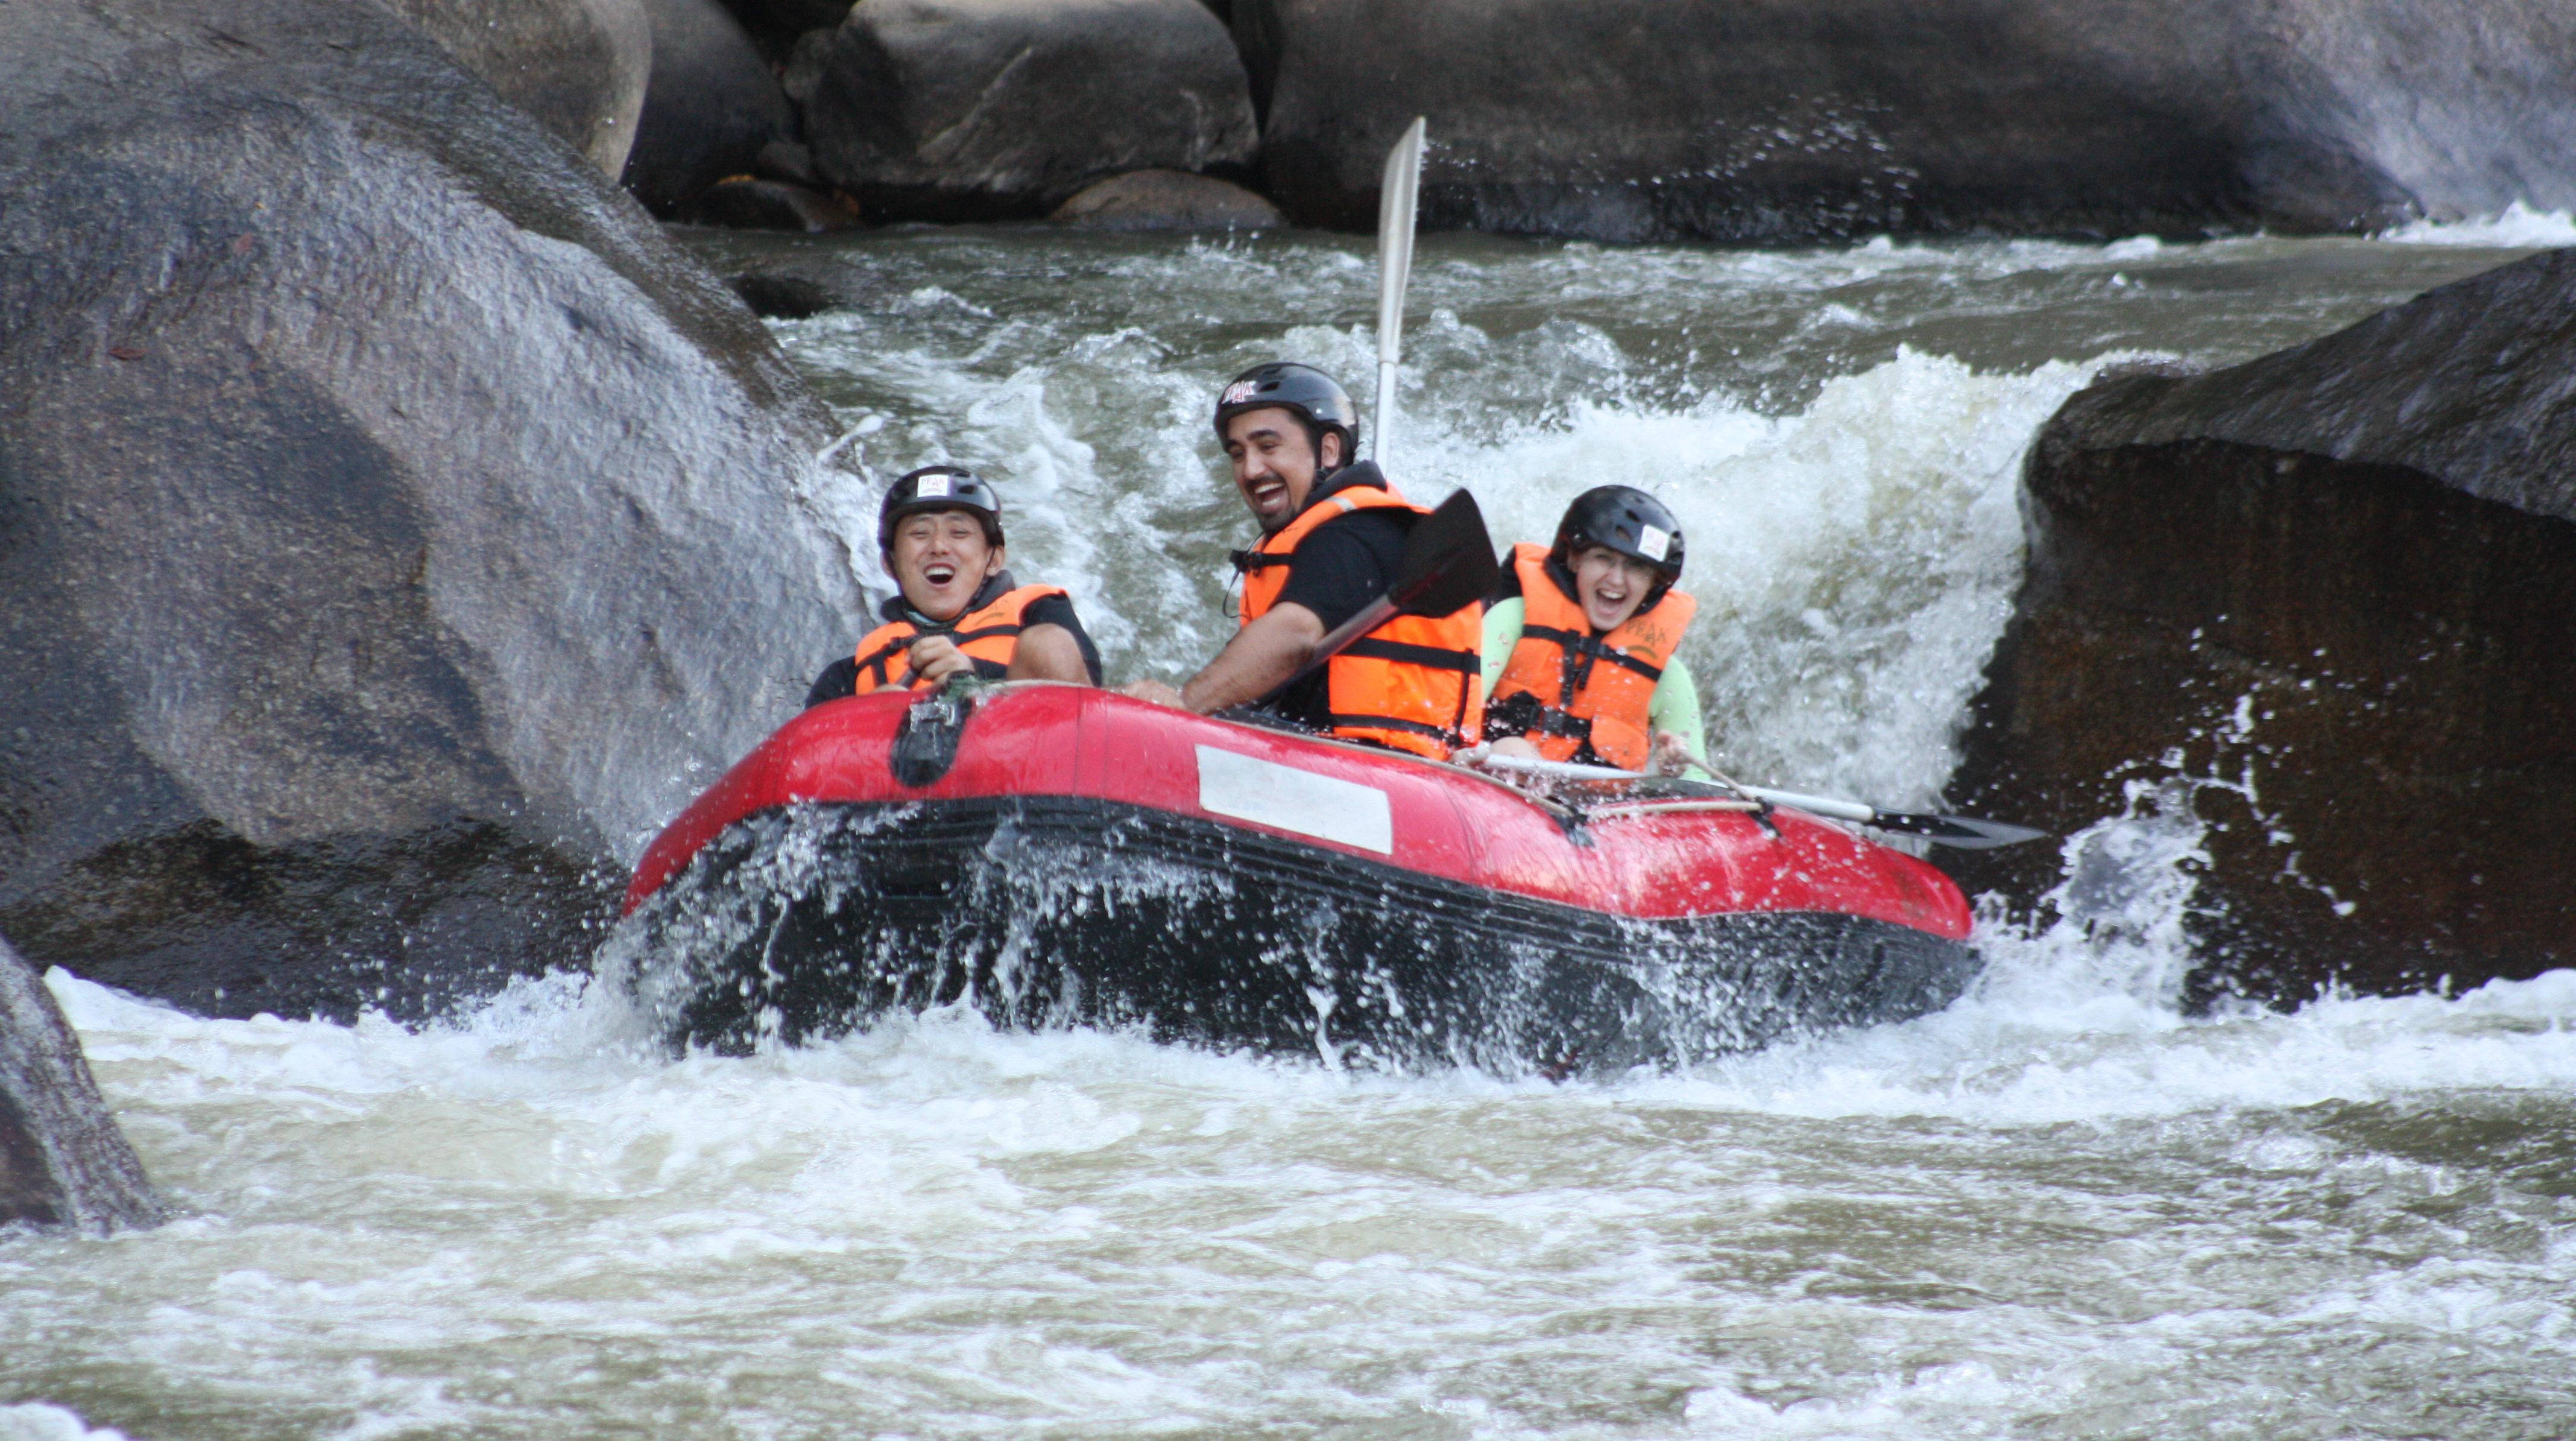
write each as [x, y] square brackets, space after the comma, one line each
[1397, 189]
[1448, 560]
[1960, 832]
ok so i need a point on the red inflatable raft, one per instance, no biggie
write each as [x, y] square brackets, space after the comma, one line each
[1064, 855]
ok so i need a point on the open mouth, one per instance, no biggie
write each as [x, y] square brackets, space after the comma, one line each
[939, 573]
[1269, 493]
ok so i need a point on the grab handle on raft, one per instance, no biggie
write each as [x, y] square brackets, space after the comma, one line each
[1962, 832]
[925, 743]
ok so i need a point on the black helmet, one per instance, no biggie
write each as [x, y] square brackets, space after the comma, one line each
[1309, 392]
[939, 487]
[1629, 521]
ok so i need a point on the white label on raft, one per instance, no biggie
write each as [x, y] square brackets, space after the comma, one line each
[930, 485]
[1290, 799]
[1654, 540]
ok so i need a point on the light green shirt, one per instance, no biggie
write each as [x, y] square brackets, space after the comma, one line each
[1675, 706]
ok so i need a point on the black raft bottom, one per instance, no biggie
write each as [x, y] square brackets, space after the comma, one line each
[815, 920]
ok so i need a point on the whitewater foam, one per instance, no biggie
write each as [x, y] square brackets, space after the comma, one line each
[2516, 227]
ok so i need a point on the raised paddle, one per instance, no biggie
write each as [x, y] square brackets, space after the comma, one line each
[1964, 832]
[1397, 189]
[1448, 565]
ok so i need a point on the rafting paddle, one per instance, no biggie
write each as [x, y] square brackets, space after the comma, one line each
[1964, 832]
[1397, 189]
[1448, 565]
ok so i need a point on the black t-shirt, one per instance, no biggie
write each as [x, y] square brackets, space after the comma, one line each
[1337, 571]
[840, 679]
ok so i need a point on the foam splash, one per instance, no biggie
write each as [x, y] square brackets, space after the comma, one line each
[941, 1227]
[39, 1422]
[2516, 227]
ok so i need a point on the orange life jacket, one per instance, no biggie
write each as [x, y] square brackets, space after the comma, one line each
[987, 634]
[1591, 692]
[1415, 683]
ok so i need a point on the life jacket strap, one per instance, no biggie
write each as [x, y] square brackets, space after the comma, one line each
[1252, 560]
[1395, 723]
[1522, 712]
[876, 659]
[1589, 646]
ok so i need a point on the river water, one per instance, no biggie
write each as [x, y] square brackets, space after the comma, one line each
[2058, 1209]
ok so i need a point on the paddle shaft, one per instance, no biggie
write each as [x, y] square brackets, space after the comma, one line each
[1339, 638]
[1961, 831]
[1570, 771]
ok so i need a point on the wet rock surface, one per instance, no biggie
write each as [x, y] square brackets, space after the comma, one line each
[711, 107]
[62, 1159]
[774, 25]
[782, 297]
[394, 525]
[794, 289]
[1167, 200]
[743, 204]
[1780, 121]
[577, 66]
[2322, 600]
[953, 110]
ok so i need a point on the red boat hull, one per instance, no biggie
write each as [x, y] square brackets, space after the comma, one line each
[1071, 855]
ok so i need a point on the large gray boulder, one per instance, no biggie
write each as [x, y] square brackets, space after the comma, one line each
[62, 1159]
[989, 109]
[394, 526]
[1799, 120]
[2322, 600]
[578, 66]
[711, 106]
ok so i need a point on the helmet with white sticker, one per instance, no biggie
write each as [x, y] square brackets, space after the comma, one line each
[1627, 520]
[1316, 399]
[939, 487]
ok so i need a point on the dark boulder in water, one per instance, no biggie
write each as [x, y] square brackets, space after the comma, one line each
[994, 109]
[774, 25]
[711, 107]
[2327, 595]
[577, 66]
[1167, 200]
[62, 1159]
[747, 204]
[782, 297]
[1785, 121]
[392, 519]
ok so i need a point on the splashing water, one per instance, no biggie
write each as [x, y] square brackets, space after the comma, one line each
[2059, 1207]
[2518, 225]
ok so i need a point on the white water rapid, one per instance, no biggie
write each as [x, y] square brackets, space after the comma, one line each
[2060, 1208]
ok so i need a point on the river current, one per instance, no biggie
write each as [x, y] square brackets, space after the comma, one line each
[2060, 1208]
